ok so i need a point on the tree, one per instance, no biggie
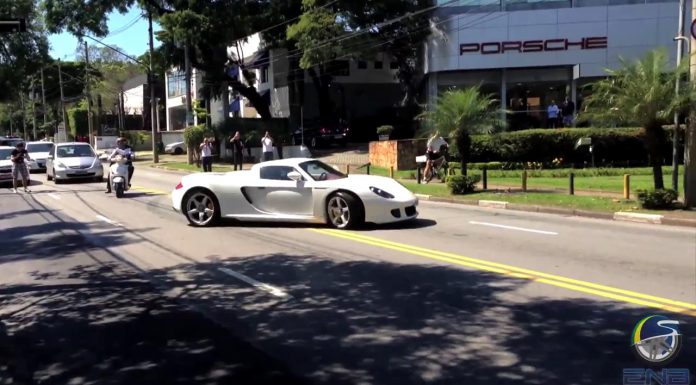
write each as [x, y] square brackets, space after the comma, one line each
[461, 113]
[641, 93]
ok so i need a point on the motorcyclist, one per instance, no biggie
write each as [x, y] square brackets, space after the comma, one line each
[123, 149]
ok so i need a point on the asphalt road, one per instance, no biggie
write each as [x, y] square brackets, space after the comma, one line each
[99, 290]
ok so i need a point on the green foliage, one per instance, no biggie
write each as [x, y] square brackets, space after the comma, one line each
[78, 120]
[554, 148]
[385, 130]
[314, 32]
[194, 135]
[462, 184]
[657, 199]
[135, 137]
[200, 112]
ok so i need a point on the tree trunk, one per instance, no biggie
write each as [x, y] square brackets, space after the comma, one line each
[654, 138]
[464, 148]
[322, 84]
[252, 95]
[690, 162]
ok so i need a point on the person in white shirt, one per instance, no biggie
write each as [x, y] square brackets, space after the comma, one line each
[435, 145]
[267, 143]
[207, 154]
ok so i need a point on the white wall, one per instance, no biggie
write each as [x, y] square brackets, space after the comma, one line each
[632, 30]
[133, 100]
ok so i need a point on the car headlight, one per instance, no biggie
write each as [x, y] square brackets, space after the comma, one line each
[60, 164]
[381, 193]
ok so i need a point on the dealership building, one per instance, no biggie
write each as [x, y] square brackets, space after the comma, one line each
[529, 53]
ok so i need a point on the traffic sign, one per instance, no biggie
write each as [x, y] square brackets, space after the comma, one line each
[13, 25]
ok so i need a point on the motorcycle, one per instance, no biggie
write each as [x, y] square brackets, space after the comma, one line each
[119, 175]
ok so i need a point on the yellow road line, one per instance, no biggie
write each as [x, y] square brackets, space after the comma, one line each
[512, 271]
[149, 190]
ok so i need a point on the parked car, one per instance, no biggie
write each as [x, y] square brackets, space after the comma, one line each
[6, 164]
[293, 190]
[323, 135]
[176, 148]
[75, 160]
[10, 141]
[38, 152]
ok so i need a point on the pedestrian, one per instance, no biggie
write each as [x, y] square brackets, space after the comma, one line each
[552, 114]
[267, 143]
[237, 148]
[19, 167]
[207, 155]
[568, 111]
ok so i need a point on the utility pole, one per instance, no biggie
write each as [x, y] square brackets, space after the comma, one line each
[24, 114]
[675, 136]
[189, 102]
[89, 97]
[151, 81]
[62, 98]
[43, 98]
[690, 132]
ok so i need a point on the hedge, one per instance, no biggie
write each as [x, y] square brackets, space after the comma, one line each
[611, 146]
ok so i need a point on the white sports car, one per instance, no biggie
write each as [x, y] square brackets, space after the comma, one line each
[293, 190]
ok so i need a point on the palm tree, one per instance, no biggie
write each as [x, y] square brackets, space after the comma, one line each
[640, 93]
[459, 113]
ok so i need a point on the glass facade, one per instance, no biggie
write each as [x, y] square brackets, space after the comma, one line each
[455, 7]
[176, 84]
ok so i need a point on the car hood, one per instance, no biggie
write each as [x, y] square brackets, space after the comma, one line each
[84, 161]
[5, 163]
[38, 155]
[364, 182]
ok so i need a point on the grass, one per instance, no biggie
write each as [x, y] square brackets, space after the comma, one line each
[184, 166]
[612, 184]
[590, 203]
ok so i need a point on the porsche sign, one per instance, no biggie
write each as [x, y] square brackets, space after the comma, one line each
[500, 47]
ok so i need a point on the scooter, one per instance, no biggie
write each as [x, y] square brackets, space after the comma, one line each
[119, 175]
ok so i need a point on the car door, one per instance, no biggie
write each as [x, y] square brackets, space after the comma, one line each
[274, 193]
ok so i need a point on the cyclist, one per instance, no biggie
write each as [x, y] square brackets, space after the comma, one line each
[436, 148]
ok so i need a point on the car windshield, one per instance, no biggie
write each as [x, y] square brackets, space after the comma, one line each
[321, 171]
[74, 151]
[5, 154]
[39, 147]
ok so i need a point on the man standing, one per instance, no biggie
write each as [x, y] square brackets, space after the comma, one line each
[552, 114]
[207, 155]
[237, 147]
[267, 144]
[19, 167]
[568, 112]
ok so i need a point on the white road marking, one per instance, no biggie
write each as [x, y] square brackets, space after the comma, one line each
[54, 196]
[259, 285]
[513, 228]
[107, 220]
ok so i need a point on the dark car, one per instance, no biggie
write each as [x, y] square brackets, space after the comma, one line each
[323, 135]
[10, 141]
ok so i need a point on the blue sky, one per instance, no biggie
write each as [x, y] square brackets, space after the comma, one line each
[127, 31]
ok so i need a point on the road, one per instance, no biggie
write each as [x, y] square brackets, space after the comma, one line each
[95, 289]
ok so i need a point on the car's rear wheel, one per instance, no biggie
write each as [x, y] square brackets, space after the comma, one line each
[344, 211]
[201, 208]
[178, 151]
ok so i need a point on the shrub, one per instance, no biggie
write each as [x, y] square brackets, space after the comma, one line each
[657, 199]
[460, 184]
[385, 130]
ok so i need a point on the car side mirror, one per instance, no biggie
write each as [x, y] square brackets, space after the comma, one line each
[294, 175]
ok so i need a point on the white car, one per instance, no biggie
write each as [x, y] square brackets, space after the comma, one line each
[176, 148]
[38, 152]
[73, 161]
[6, 164]
[293, 190]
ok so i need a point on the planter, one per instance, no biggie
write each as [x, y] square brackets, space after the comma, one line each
[384, 137]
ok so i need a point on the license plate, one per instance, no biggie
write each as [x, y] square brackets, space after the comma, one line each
[338, 136]
[80, 172]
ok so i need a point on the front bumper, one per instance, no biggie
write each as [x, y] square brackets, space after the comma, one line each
[69, 173]
[5, 177]
[177, 197]
[37, 165]
[388, 211]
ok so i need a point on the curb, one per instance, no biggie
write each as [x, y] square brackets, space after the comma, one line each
[621, 216]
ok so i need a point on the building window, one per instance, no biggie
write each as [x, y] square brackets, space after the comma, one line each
[379, 65]
[176, 84]
[520, 5]
[394, 65]
[362, 65]
[264, 75]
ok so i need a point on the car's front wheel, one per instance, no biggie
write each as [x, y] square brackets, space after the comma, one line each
[48, 176]
[344, 211]
[201, 208]
[178, 151]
